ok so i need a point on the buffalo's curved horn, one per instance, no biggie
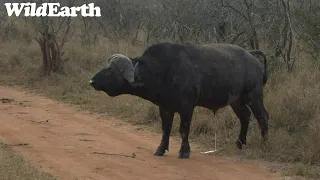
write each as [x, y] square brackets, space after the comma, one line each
[136, 70]
[124, 64]
[116, 56]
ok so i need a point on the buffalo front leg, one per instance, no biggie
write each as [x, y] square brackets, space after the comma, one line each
[185, 121]
[166, 122]
[243, 113]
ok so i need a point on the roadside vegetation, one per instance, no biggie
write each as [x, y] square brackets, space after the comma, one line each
[14, 166]
[57, 57]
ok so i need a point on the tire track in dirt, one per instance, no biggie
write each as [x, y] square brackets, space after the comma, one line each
[62, 141]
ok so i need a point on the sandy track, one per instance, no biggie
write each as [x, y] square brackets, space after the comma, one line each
[63, 140]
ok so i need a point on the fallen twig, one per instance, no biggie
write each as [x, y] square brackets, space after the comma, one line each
[215, 146]
[19, 144]
[6, 100]
[112, 154]
[209, 152]
[85, 140]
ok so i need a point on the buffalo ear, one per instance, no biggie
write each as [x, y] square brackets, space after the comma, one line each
[137, 84]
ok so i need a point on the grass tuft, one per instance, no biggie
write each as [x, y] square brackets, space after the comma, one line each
[13, 166]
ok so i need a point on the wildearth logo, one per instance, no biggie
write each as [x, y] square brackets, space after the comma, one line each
[52, 10]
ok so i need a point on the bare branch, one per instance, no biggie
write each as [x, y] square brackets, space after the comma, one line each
[228, 5]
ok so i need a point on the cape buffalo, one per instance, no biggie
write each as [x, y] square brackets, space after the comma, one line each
[179, 77]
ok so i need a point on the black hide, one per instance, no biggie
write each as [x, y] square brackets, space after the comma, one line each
[179, 77]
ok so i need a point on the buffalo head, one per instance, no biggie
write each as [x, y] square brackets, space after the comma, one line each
[116, 77]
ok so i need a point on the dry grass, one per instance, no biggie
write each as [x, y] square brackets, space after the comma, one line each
[291, 99]
[15, 167]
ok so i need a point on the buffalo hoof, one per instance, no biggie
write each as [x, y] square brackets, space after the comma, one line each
[159, 153]
[184, 155]
[240, 144]
[264, 145]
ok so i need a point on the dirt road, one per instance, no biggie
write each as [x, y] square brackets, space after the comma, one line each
[62, 141]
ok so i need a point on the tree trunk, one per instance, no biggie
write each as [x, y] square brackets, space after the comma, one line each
[51, 54]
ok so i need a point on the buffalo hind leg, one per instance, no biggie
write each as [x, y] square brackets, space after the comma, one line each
[258, 109]
[185, 122]
[243, 113]
[166, 120]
